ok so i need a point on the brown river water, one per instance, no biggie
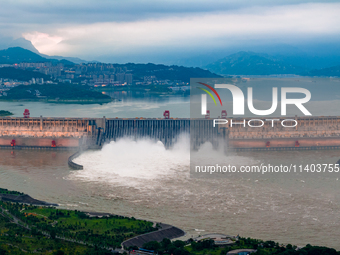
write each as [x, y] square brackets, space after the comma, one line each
[144, 180]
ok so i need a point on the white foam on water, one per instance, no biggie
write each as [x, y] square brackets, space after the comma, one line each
[208, 155]
[127, 161]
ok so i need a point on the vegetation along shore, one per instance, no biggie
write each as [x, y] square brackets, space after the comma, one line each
[30, 226]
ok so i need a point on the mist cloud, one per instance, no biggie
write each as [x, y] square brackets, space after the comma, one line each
[90, 28]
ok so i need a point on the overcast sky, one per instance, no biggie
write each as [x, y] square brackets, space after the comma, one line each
[88, 29]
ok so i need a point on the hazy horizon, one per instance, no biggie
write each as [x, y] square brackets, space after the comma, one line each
[173, 32]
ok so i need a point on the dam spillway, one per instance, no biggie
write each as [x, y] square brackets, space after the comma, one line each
[165, 130]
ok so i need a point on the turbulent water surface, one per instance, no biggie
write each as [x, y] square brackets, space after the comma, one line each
[143, 179]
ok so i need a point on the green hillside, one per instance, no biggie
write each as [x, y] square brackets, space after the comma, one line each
[57, 92]
[331, 71]
[163, 72]
[20, 75]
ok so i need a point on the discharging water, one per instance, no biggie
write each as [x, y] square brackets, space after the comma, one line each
[144, 180]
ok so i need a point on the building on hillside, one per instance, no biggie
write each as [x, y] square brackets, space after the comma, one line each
[120, 77]
[141, 252]
[128, 78]
[219, 239]
[241, 252]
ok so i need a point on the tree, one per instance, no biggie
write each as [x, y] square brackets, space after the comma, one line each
[3, 252]
[59, 252]
[165, 243]
[53, 233]
[178, 243]
[153, 245]
[134, 247]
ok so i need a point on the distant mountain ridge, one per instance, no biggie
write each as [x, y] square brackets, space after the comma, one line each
[240, 63]
[14, 55]
[17, 54]
[250, 63]
[71, 59]
[7, 42]
[331, 71]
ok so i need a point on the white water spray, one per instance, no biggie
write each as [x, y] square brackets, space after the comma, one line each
[127, 161]
[144, 162]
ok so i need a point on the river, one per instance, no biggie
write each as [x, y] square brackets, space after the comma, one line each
[144, 180]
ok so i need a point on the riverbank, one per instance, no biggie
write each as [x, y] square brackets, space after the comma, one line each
[25, 199]
[144, 231]
[105, 232]
[5, 113]
[61, 92]
[87, 232]
[19, 197]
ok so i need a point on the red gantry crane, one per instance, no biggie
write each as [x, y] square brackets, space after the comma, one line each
[26, 113]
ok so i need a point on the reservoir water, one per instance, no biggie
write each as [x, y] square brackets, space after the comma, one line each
[144, 180]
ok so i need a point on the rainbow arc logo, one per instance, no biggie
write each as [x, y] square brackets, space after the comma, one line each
[209, 93]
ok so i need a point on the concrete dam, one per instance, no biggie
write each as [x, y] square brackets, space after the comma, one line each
[84, 133]
[44, 132]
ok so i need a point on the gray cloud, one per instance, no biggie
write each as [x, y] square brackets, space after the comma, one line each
[88, 28]
[90, 11]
